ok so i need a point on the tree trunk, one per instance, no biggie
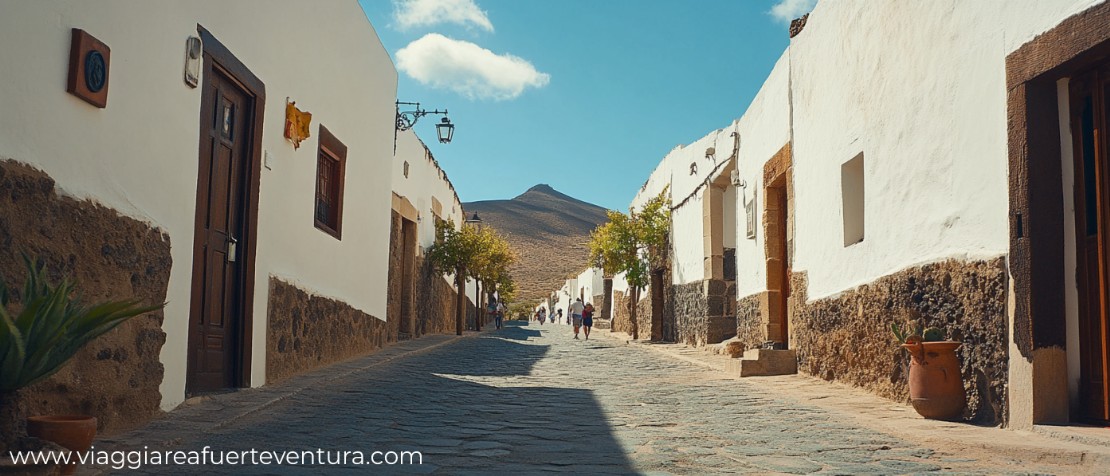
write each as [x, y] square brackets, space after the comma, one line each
[635, 301]
[13, 420]
[460, 300]
[479, 308]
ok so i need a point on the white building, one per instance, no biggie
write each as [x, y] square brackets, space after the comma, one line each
[421, 300]
[145, 185]
[908, 159]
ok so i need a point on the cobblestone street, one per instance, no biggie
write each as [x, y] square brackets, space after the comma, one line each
[529, 399]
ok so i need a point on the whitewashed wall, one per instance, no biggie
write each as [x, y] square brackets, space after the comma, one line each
[931, 126]
[425, 181]
[591, 282]
[139, 155]
[764, 129]
[688, 247]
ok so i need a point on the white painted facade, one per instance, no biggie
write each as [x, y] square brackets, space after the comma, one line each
[139, 154]
[418, 178]
[764, 129]
[424, 186]
[591, 282]
[919, 89]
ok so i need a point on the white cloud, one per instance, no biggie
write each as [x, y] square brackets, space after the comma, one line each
[468, 69]
[787, 10]
[416, 13]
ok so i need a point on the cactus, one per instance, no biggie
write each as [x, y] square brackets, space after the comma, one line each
[933, 334]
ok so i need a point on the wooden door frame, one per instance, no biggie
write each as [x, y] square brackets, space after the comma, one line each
[1036, 256]
[238, 72]
[1036, 178]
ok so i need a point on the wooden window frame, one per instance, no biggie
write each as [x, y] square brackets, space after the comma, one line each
[330, 148]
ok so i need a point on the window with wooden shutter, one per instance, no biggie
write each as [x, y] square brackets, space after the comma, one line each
[331, 162]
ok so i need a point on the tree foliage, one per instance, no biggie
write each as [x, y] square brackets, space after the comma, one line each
[633, 243]
[480, 253]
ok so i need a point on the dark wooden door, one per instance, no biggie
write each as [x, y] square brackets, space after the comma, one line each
[408, 276]
[215, 327]
[783, 275]
[1089, 119]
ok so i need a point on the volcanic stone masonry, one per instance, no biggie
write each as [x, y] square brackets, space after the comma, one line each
[307, 331]
[109, 256]
[848, 338]
[704, 312]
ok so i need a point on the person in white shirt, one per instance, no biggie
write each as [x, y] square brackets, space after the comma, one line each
[500, 314]
[576, 309]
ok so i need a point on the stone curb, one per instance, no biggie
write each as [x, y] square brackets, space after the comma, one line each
[1059, 448]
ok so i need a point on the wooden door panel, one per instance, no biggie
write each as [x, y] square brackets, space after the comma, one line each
[215, 336]
[1092, 192]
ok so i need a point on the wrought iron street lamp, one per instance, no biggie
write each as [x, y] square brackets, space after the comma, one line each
[406, 119]
[474, 221]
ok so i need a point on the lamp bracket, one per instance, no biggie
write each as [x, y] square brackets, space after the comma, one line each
[407, 119]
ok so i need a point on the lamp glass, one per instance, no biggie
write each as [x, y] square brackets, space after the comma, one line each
[445, 130]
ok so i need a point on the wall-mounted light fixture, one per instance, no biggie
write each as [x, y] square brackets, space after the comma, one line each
[194, 48]
[406, 119]
[736, 180]
[474, 221]
[711, 153]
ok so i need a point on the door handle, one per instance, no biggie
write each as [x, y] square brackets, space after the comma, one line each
[232, 248]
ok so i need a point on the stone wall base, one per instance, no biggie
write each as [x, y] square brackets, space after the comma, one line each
[307, 331]
[847, 338]
[115, 377]
[435, 302]
[705, 311]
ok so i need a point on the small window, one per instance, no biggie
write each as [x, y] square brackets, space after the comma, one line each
[851, 190]
[406, 169]
[331, 163]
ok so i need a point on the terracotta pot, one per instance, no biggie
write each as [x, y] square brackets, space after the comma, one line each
[936, 385]
[74, 432]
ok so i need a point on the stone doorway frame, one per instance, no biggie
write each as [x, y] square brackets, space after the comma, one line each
[778, 185]
[403, 235]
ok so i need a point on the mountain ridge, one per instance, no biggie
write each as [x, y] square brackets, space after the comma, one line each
[548, 229]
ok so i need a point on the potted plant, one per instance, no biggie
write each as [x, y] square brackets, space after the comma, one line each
[936, 384]
[49, 327]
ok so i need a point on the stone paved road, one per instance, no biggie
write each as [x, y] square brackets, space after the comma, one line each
[530, 399]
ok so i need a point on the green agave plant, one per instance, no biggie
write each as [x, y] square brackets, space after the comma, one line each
[52, 326]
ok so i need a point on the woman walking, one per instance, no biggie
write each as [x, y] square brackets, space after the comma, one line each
[587, 319]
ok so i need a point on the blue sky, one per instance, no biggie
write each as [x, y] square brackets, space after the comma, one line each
[584, 95]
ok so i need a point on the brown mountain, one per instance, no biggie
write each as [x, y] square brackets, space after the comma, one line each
[549, 231]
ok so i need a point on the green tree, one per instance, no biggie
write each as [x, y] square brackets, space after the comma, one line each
[490, 267]
[633, 244]
[453, 252]
[480, 254]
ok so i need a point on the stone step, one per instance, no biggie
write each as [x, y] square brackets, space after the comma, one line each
[763, 362]
[603, 324]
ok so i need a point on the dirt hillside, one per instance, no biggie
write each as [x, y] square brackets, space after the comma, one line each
[549, 231]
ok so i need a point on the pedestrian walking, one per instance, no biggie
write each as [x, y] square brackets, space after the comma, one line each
[587, 319]
[576, 309]
[491, 310]
[499, 315]
[543, 315]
